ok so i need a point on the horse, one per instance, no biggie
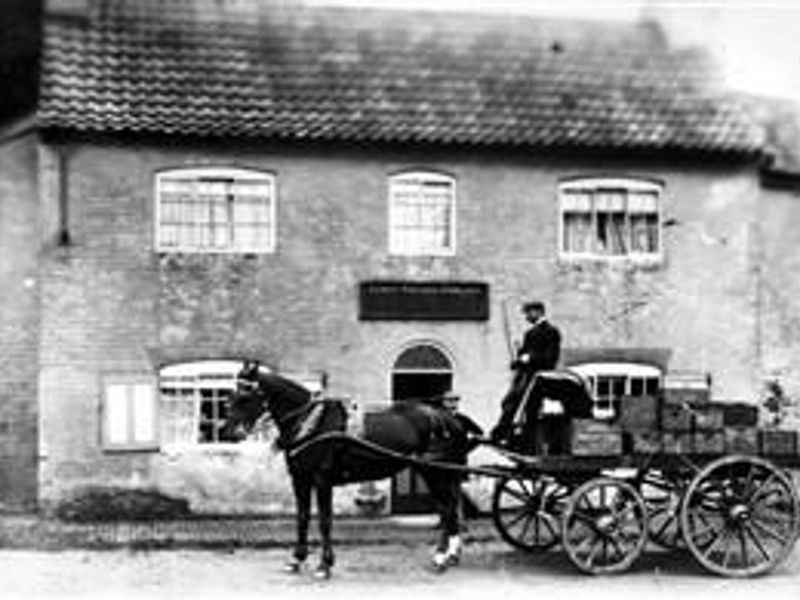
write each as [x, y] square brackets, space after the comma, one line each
[320, 455]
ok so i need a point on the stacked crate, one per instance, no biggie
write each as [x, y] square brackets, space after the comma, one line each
[639, 421]
[682, 420]
[740, 421]
[685, 396]
[595, 438]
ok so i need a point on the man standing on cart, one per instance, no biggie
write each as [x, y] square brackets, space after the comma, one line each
[540, 351]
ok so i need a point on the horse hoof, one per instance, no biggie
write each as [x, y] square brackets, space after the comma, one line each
[293, 566]
[322, 573]
[439, 563]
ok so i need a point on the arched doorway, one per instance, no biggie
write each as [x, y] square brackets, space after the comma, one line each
[420, 371]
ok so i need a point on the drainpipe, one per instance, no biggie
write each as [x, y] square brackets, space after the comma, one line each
[63, 197]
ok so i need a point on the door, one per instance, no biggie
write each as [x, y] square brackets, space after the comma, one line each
[422, 371]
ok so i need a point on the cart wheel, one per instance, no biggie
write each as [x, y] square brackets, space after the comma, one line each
[740, 516]
[662, 494]
[526, 512]
[605, 526]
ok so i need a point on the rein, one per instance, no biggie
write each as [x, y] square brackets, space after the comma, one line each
[399, 456]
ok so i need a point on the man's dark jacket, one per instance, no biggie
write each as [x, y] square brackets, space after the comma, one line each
[541, 345]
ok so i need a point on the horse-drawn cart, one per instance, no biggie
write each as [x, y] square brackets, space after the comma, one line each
[677, 480]
[738, 515]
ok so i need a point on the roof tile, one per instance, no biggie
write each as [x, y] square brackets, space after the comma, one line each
[240, 69]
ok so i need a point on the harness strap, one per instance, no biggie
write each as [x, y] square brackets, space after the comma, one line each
[388, 452]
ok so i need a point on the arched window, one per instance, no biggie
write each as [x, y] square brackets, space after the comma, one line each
[610, 218]
[421, 371]
[422, 214]
[215, 210]
[610, 381]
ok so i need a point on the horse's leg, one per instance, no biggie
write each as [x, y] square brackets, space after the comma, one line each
[302, 498]
[325, 508]
[445, 490]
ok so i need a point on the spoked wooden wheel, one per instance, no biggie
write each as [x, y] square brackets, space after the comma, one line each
[605, 526]
[663, 494]
[740, 516]
[527, 512]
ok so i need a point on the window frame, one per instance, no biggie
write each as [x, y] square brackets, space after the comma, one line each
[591, 371]
[185, 375]
[130, 383]
[395, 249]
[215, 173]
[595, 185]
[190, 372]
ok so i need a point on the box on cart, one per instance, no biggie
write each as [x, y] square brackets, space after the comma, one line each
[638, 413]
[643, 442]
[777, 442]
[595, 438]
[690, 388]
[710, 417]
[741, 440]
[677, 442]
[708, 441]
[740, 414]
[676, 417]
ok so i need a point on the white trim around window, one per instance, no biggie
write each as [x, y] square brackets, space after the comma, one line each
[215, 210]
[422, 214]
[608, 218]
[609, 381]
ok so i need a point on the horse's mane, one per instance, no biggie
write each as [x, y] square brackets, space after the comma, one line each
[286, 385]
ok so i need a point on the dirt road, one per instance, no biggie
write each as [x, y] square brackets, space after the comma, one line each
[488, 571]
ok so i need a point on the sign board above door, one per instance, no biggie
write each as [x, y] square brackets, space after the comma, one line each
[423, 301]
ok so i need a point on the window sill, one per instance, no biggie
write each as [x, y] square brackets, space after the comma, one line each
[254, 448]
[130, 448]
[611, 262]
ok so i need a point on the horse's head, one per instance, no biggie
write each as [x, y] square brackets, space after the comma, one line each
[246, 405]
[258, 391]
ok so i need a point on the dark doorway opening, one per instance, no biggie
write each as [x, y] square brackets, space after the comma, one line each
[419, 372]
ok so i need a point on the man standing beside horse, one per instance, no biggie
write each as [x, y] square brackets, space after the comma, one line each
[540, 351]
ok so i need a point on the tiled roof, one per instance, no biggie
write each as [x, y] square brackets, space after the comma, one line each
[780, 120]
[239, 68]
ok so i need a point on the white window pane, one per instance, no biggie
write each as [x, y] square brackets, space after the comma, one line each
[610, 200]
[611, 237]
[117, 414]
[577, 233]
[144, 413]
[202, 209]
[576, 201]
[642, 202]
[421, 214]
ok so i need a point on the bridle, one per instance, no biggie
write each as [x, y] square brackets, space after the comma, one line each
[267, 414]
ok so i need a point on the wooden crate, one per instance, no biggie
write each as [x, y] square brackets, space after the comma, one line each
[777, 442]
[595, 438]
[593, 426]
[687, 396]
[638, 413]
[675, 417]
[710, 417]
[677, 442]
[709, 441]
[740, 414]
[741, 440]
[645, 442]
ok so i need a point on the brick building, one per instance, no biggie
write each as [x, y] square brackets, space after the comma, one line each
[362, 194]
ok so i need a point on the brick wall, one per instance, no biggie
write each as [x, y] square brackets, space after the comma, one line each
[112, 305]
[19, 302]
